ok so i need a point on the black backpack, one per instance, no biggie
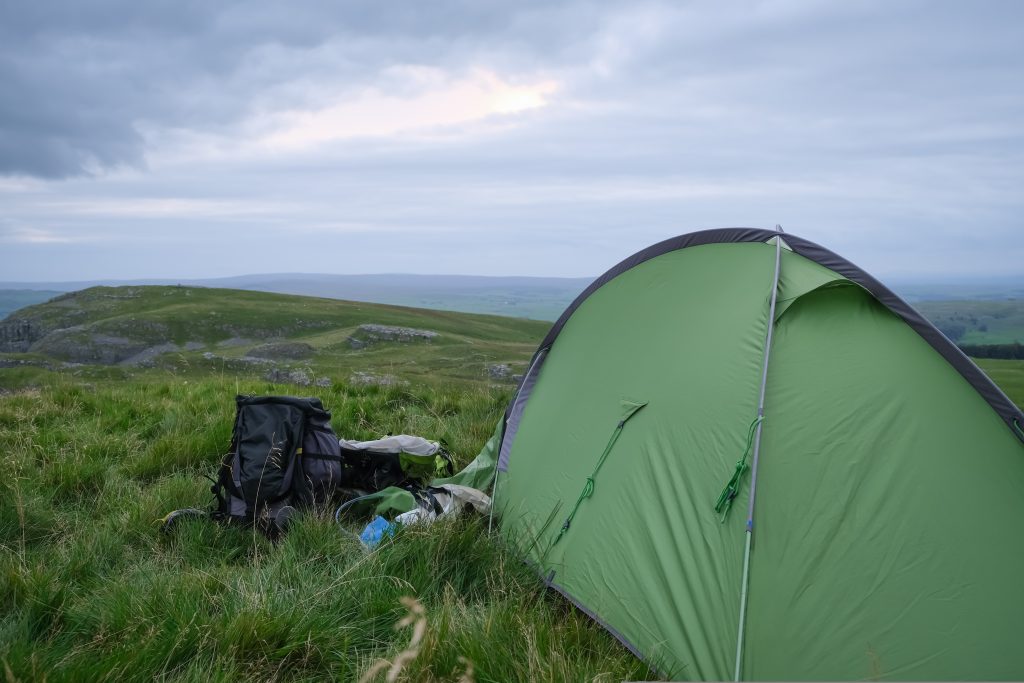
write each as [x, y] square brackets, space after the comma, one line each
[283, 455]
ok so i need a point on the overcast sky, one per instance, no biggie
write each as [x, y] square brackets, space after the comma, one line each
[195, 138]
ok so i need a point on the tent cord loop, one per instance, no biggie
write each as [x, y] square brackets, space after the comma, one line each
[732, 488]
[588, 487]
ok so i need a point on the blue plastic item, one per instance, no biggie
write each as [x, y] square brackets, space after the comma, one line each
[376, 530]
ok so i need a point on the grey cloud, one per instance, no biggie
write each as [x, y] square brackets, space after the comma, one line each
[79, 78]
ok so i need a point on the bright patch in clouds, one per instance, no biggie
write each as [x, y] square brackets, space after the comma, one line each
[430, 99]
[24, 235]
[160, 207]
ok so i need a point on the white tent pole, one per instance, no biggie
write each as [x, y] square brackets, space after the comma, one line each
[757, 450]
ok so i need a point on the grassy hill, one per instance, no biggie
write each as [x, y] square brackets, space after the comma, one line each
[95, 454]
[540, 298]
[202, 330]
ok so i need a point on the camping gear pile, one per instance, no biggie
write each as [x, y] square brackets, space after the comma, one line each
[284, 456]
[444, 500]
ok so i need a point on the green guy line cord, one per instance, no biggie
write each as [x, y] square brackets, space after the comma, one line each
[588, 487]
[732, 489]
[757, 451]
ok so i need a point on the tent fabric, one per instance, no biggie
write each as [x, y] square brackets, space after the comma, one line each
[479, 473]
[821, 256]
[889, 483]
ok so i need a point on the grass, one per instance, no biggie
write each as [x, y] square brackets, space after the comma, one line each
[90, 590]
[181, 314]
[75, 326]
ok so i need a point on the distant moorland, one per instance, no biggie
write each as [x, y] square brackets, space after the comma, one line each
[970, 312]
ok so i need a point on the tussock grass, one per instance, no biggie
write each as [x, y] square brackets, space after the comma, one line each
[90, 590]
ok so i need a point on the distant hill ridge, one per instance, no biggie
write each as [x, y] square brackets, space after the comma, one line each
[539, 298]
[978, 312]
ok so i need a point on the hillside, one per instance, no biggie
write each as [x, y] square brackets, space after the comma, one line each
[539, 298]
[204, 329]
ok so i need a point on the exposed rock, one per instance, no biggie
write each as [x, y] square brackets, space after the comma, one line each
[502, 372]
[150, 330]
[250, 360]
[119, 293]
[299, 377]
[19, 334]
[370, 333]
[286, 350]
[34, 363]
[234, 341]
[75, 346]
[146, 356]
[242, 363]
[498, 371]
[368, 379]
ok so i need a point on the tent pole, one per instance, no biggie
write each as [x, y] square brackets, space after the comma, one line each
[757, 452]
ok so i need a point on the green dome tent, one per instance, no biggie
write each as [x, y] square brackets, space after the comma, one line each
[872, 527]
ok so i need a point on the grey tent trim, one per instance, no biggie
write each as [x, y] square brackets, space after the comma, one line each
[992, 394]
